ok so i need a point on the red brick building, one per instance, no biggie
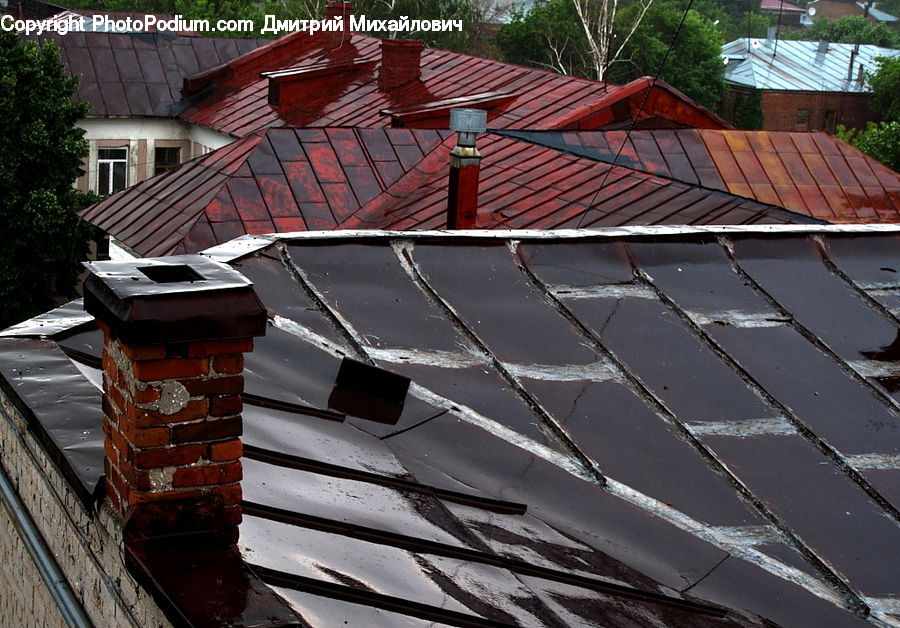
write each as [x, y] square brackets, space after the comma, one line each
[804, 85]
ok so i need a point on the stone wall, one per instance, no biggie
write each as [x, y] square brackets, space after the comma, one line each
[86, 544]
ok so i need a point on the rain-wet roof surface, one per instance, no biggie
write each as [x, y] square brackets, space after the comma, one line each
[631, 427]
[814, 174]
[141, 74]
[335, 178]
[236, 100]
[798, 65]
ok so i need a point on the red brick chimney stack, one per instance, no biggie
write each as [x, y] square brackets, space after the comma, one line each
[335, 39]
[401, 62]
[175, 331]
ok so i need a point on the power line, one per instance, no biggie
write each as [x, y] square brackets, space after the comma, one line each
[638, 115]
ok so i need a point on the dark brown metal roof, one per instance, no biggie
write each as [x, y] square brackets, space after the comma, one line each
[637, 427]
[141, 74]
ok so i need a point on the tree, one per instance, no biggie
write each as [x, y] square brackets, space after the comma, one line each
[694, 64]
[748, 111]
[547, 36]
[854, 29]
[885, 87]
[41, 153]
[889, 6]
[608, 31]
[880, 141]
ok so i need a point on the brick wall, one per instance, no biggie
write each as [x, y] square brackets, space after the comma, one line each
[172, 424]
[86, 545]
[780, 110]
[25, 600]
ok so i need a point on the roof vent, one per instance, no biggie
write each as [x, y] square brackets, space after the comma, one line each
[823, 46]
[400, 62]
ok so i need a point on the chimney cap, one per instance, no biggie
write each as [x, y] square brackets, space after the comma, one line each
[182, 298]
[466, 120]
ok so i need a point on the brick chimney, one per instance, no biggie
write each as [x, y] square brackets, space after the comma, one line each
[342, 10]
[401, 61]
[175, 331]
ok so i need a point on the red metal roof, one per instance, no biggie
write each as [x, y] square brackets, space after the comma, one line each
[521, 97]
[284, 180]
[810, 173]
[524, 186]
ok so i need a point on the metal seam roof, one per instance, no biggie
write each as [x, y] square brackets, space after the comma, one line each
[798, 65]
[773, 299]
[326, 178]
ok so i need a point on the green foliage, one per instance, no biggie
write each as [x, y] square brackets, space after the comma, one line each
[41, 152]
[880, 141]
[694, 64]
[734, 20]
[889, 6]
[547, 36]
[748, 111]
[885, 87]
[849, 30]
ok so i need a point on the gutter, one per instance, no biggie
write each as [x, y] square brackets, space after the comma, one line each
[66, 600]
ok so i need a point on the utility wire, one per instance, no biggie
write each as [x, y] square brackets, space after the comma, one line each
[638, 115]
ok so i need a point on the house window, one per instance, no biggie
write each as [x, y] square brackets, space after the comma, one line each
[801, 122]
[112, 168]
[829, 120]
[164, 159]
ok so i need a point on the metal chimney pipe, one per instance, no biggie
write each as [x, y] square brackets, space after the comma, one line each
[465, 166]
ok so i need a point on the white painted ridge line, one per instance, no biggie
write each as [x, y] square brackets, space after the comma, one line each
[874, 461]
[296, 329]
[738, 318]
[618, 291]
[239, 247]
[443, 359]
[724, 538]
[773, 426]
[875, 368]
[609, 232]
[600, 371]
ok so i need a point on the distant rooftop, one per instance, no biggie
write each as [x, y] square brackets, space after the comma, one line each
[779, 6]
[798, 65]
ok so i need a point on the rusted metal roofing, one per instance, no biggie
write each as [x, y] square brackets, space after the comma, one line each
[141, 74]
[284, 180]
[798, 65]
[638, 427]
[810, 173]
[238, 102]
